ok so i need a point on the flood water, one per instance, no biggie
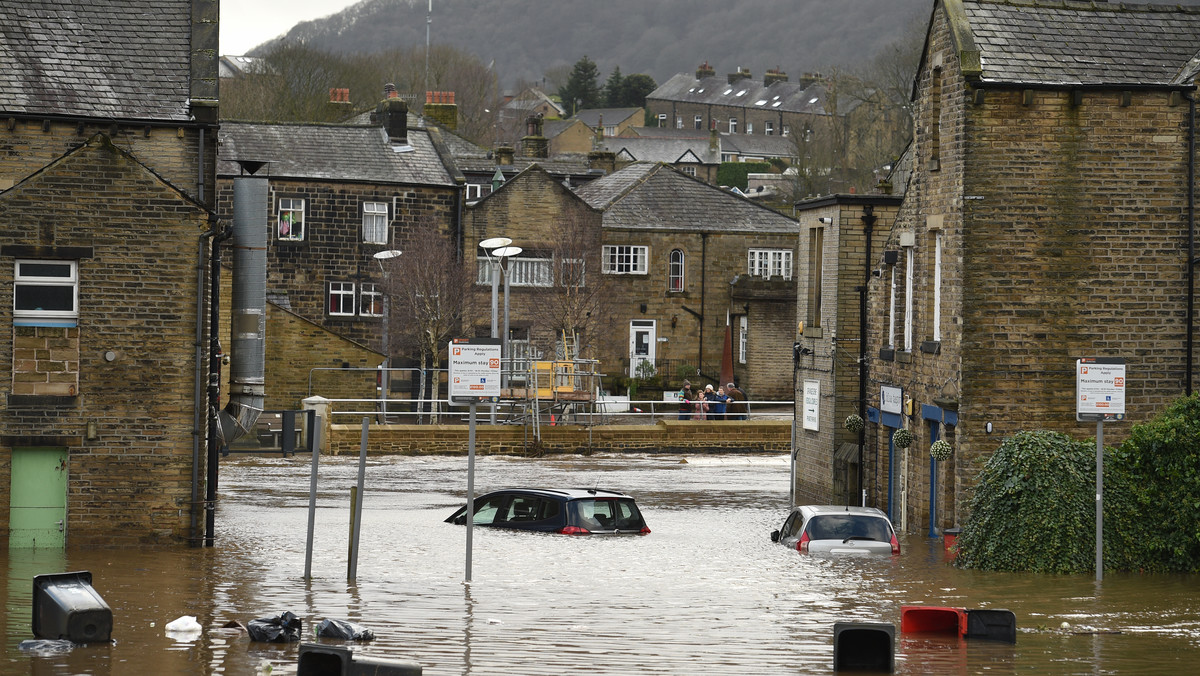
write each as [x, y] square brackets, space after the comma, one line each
[705, 592]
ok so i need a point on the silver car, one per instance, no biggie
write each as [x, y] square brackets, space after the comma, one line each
[838, 529]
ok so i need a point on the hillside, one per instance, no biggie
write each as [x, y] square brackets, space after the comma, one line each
[526, 38]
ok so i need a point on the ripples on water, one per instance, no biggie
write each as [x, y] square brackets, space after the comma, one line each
[706, 592]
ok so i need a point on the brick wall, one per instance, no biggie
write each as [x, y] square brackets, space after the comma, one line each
[131, 481]
[1063, 234]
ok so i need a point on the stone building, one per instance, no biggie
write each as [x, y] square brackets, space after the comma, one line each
[840, 236]
[667, 263]
[339, 193]
[106, 187]
[1047, 218]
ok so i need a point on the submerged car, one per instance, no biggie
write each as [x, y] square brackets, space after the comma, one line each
[838, 529]
[570, 511]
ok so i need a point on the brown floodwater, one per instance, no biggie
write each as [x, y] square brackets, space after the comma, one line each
[705, 592]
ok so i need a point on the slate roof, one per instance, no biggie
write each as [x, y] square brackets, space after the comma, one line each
[785, 96]
[668, 150]
[653, 196]
[330, 152]
[121, 59]
[612, 116]
[760, 145]
[1040, 42]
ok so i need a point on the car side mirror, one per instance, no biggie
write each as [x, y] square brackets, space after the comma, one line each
[774, 536]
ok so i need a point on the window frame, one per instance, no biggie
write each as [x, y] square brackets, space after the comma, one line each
[289, 204]
[733, 125]
[43, 317]
[759, 260]
[676, 271]
[375, 221]
[699, 121]
[343, 292]
[625, 259]
[371, 301]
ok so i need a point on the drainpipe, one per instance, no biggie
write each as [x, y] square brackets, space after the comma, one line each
[1192, 260]
[868, 219]
[198, 378]
[215, 357]
[703, 307]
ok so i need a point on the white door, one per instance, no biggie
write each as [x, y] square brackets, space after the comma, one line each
[642, 341]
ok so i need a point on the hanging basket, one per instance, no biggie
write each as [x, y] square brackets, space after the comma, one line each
[902, 438]
[940, 450]
[854, 423]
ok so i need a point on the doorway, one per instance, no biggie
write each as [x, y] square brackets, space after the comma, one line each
[643, 338]
[38, 498]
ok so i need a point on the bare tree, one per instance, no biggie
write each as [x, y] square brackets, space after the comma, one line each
[579, 300]
[426, 288]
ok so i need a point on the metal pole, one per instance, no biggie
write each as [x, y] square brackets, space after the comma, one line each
[312, 498]
[470, 515]
[505, 356]
[495, 318]
[362, 473]
[1099, 500]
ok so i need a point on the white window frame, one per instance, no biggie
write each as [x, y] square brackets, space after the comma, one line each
[528, 271]
[733, 125]
[937, 285]
[768, 263]
[375, 222]
[891, 332]
[291, 212]
[908, 299]
[743, 332]
[699, 122]
[677, 271]
[625, 259]
[343, 292]
[749, 127]
[26, 276]
[689, 170]
[474, 191]
[769, 128]
[370, 300]
[662, 121]
[679, 122]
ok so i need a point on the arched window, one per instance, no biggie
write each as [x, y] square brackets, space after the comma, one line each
[675, 271]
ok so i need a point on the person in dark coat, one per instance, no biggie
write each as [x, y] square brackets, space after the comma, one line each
[686, 398]
[738, 408]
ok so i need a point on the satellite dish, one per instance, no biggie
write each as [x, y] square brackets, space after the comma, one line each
[389, 253]
[495, 242]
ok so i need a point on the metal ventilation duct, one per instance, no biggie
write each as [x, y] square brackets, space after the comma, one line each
[248, 316]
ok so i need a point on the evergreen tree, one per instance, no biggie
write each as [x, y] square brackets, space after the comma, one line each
[582, 89]
[614, 90]
[634, 90]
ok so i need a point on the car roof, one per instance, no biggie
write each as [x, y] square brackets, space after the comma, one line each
[813, 510]
[566, 493]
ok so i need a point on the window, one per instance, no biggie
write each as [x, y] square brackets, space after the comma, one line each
[690, 171]
[937, 285]
[743, 331]
[891, 331]
[679, 122]
[662, 119]
[749, 127]
[46, 293]
[769, 128]
[816, 244]
[675, 271]
[908, 299]
[700, 122]
[610, 130]
[787, 130]
[474, 191]
[521, 271]
[571, 272]
[291, 219]
[769, 263]
[625, 260]
[341, 298]
[370, 302]
[733, 125]
[375, 222]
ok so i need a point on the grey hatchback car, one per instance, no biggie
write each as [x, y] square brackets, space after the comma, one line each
[838, 529]
[570, 511]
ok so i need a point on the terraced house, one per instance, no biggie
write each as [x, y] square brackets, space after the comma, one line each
[106, 186]
[1049, 216]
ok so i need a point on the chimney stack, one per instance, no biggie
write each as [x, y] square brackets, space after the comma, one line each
[774, 75]
[392, 113]
[808, 79]
[440, 107]
[741, 74]
[534, 144]
[504, 156]
[704, 71]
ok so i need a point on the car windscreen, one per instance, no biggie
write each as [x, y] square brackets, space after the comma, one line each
[842, 526]
[606, 514]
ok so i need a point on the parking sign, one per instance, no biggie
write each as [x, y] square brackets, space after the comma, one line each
[1099, 389]
[474, 369]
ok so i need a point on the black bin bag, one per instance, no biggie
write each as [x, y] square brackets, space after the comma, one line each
[282, 628]
[344, 630]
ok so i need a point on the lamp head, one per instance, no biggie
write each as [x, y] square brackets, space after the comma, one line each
[506, 251]
[494, 242]
[386, 254]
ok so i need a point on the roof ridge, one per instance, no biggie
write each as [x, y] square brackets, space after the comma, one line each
[1096, 5]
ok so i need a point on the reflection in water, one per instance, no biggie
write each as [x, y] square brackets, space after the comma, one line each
[705, 592]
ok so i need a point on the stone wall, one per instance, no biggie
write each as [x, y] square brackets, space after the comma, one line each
[128, 428]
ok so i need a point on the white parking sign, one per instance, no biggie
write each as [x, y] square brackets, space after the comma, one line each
[1099, 389]
[474, 369]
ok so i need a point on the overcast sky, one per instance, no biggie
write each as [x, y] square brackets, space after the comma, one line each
[249, 23]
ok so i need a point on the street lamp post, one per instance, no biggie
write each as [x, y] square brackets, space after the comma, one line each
[504, 253]
[502, 249]
[382, 386]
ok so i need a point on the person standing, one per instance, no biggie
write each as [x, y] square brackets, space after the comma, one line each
[738, 408]
[716, 402]
[685, 401]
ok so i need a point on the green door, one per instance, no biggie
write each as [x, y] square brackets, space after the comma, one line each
[38, 502]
